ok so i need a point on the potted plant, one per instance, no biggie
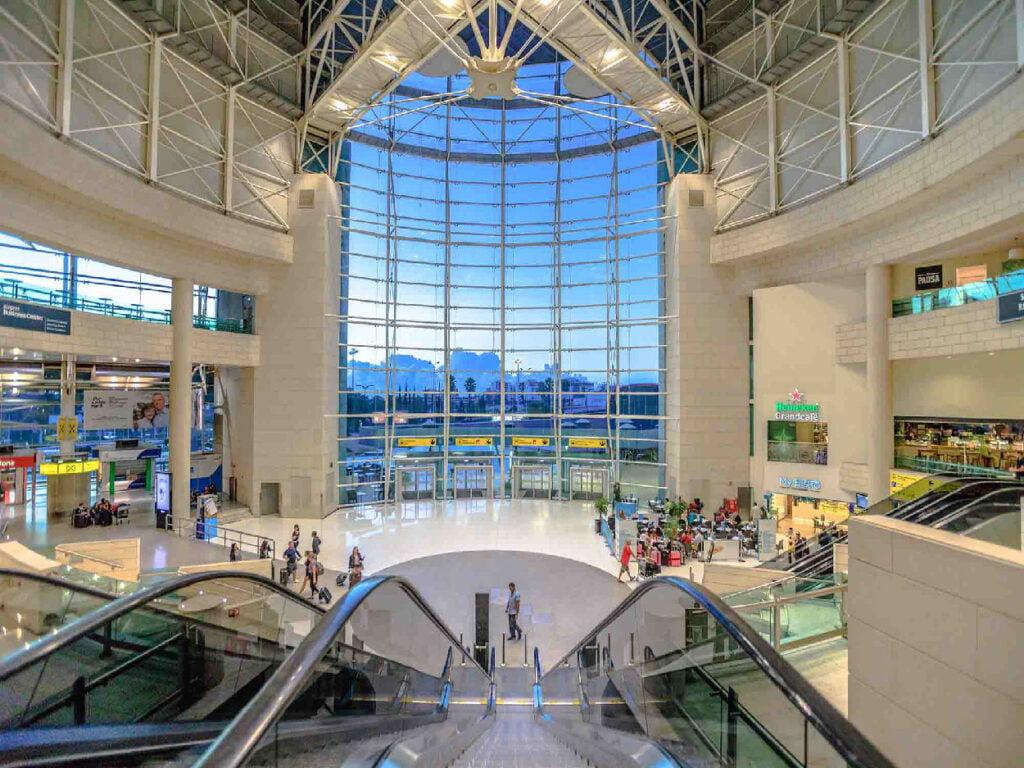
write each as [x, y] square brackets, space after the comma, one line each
[601, 505]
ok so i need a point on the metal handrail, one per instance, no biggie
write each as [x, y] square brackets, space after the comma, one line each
[53, 581]
[240, 739]
[70, 633]
[786, 599]
[849, 742]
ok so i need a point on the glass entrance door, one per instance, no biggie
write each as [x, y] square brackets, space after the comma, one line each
[587, 483]
[415, 481]
[531, 481]
[472, 481]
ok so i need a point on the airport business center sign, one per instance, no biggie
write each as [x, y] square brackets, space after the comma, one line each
[34, 317]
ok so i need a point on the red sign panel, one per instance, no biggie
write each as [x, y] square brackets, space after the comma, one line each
[17, 462]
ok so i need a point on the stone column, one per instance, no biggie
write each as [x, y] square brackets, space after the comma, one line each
[68, 388]
[879, 382]
[706, 356]
[181, 396]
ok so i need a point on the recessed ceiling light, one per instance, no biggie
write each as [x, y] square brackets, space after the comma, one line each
[114, 359]
[611, 57]
[337, 105]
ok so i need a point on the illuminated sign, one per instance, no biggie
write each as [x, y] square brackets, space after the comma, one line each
[588, 442]
[17, 462]
[800, 483]
[474, 441]
[417, 442]
[534, 442]
[797, 411]
[70, 467]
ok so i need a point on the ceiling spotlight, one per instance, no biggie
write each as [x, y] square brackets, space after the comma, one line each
[390, 61]
[612, 57]
[113, 359]
[337, 105]
[666, 103]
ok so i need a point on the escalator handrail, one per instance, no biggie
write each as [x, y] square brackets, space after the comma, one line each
[70, 633]
[849, 742]
[966, 509]
[54, 581]
[240, 739]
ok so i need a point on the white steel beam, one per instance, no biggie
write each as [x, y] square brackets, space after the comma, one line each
[65, 65]
[773, 151]
[843, 77]
[156, 53]
[1019, 15]
[926, 69]
[228, 181]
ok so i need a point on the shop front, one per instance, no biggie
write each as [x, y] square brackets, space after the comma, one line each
[14, 468]
[797, 505]
[993, 447]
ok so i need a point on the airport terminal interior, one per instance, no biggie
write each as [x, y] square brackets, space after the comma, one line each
[512, 383]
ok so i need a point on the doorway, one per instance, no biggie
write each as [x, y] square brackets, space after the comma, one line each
[587, 483]
[473, 481]
[531, 481]
[270, 499]
[415, 481]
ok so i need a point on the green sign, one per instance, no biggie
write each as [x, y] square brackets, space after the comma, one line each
[797, 411]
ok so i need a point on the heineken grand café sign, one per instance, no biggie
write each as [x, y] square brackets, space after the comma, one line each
[797, 409]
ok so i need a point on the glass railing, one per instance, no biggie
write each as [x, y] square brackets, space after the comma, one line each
[938, 466]
[795, 612]
[944, 298]
[380, 669]
[15, 289]
[681, 665]
[190, 649]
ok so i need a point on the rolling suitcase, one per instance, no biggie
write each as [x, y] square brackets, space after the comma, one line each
[283, 577]
[324, 595]
[340, 581]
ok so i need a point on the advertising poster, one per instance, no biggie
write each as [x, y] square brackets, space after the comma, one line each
[114, 409]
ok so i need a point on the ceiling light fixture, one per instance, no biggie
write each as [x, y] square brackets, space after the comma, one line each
[664, 104]
[612, 57]
[337, 105]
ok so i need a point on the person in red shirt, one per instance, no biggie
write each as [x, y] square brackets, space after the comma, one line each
[686, 539]
[627, 554]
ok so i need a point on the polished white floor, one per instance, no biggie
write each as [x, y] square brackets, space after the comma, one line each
[396, 534]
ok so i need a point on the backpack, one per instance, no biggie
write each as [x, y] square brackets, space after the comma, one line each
[340, 581]
[324, 595]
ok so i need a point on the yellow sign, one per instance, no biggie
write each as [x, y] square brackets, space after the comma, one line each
[588, 442]
[417, 442]
[67, 428]
[474, 441]
[536, 442]
[898, 480]
[70, 467]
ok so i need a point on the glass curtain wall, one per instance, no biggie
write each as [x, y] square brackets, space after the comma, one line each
[501, 286]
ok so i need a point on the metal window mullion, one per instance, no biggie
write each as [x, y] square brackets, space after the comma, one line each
[501, 311]
[926, 68]
[556, 389]
[1019, 14]
[65, 65]
[390, 298]
[616, 331]
[447, 418]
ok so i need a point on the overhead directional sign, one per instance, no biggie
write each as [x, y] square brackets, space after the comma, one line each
[588, 442]
[531, 442]
[417, 442]
[478, 442]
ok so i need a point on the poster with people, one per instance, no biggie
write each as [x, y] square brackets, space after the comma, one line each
[142, 410]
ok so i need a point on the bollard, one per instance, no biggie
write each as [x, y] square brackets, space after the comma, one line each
[503, 649]
[526, 641]
[462, 647]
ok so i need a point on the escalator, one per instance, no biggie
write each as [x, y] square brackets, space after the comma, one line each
[673, 677]
[141, 676]
[958, 505]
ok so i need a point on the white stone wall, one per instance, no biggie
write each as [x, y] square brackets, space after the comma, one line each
[936, 638]
[794, 348]
[965, 188]
[287, 408]
[129, 339]
[853, 476]
[959, 330]
[708, 388]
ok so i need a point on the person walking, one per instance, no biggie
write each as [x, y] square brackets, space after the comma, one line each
[295, 536]
[316, 545]
[512, 609]
[355, 567]
[291, 557]
[310, 574]
[233, 554]
[627, 554]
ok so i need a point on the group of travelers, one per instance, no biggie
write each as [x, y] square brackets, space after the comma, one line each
[313, 569]
[694, 538]
[100, 513]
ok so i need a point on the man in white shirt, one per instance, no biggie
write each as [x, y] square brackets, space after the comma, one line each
[512, 609]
